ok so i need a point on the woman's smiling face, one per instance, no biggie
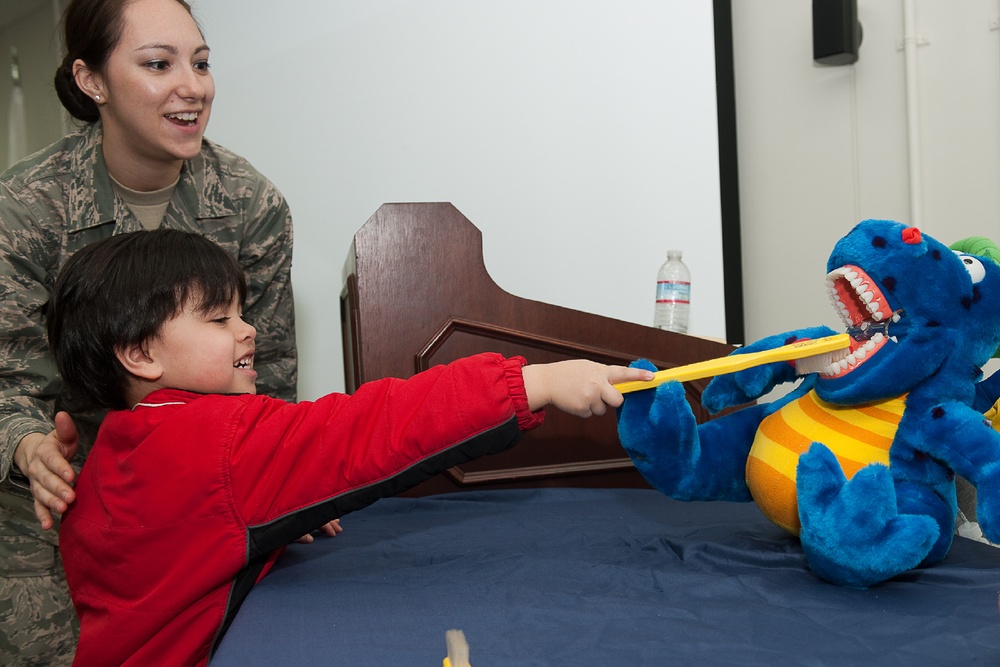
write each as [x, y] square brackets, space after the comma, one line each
[158, 89]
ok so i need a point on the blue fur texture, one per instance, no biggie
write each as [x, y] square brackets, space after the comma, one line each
[940, 321]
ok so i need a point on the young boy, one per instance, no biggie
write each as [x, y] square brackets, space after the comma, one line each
[195, 484]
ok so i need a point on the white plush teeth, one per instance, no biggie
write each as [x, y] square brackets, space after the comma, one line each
[869, 298]
[854, 358]
[866, 293]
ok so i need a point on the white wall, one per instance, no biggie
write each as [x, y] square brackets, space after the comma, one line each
[33, 33]
[579, 136]
[821, 148]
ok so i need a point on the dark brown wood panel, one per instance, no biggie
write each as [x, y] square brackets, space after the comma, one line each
[417, 293]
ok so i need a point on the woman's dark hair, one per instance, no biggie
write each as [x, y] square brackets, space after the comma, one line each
[91, 31]
[120, 291]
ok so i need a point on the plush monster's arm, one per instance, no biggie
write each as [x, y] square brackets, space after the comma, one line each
[676, 455]
[961, 437]
[748, 385]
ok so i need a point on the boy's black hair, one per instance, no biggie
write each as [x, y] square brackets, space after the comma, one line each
[120, 291]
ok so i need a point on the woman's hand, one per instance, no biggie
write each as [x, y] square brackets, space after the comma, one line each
[44, 460]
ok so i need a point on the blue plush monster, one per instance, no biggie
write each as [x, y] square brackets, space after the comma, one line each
[859, 460]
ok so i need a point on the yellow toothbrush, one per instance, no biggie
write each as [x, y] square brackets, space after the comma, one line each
[739, 362]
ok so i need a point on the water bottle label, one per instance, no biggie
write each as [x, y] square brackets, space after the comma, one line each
[673, 291]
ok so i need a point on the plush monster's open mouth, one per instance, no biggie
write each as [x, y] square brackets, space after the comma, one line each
[866, 314]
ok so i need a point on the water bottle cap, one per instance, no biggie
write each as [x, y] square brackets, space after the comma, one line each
[674, 254]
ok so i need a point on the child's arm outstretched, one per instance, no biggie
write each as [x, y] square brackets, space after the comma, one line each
[342, 452]
[579, 387]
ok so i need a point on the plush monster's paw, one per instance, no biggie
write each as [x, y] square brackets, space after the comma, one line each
[659, 432]
[737, 388]
[852, 533]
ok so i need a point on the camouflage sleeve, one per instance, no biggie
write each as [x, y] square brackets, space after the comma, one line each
[266, 255]
[28, 378]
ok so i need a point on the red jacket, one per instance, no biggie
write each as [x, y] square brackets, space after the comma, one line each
[186, 500]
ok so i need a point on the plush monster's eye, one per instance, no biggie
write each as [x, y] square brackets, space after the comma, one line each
[975, 268]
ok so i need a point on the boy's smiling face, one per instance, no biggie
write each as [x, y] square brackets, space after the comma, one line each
[209, 352]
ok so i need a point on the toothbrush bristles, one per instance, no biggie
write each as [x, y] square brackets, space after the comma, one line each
[818, 362]
[458, 648]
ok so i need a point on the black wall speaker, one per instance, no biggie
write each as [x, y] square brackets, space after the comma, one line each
[836, 32]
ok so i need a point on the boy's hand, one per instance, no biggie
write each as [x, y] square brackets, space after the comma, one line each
[44, 460]
[579, 387]
[332, 529]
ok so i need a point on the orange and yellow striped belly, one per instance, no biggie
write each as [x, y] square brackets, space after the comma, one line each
[857, 435]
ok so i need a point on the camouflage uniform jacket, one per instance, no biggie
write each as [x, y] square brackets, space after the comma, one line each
[60, 199]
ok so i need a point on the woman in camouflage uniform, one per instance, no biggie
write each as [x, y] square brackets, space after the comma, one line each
[136, 73]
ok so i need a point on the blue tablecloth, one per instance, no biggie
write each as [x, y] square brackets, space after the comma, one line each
[581, 577]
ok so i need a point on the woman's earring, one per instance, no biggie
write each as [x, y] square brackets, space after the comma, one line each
[97, 97]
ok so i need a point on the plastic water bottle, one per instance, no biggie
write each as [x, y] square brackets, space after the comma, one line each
[673, 294]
